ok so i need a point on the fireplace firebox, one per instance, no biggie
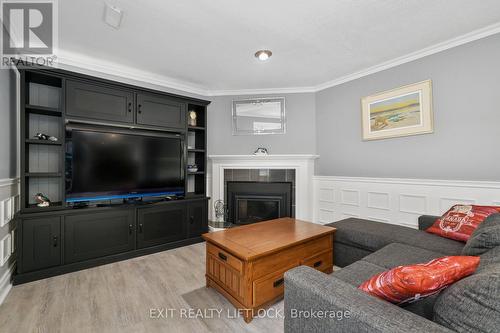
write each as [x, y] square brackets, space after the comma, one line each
[251, 202]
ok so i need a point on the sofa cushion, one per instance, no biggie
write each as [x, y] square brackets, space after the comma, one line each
[471, 304]
[344, 255]
[372, 236]
[460, 221]
[358, 272]
[409, 283]
[490, 257]
[423, 307]
[397, 254]
[485, 237]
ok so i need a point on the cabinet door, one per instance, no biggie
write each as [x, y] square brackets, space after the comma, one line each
[99, 102]
[156, 110]
[93, 235]
[41, 243]
[161, 224]
[197, 218]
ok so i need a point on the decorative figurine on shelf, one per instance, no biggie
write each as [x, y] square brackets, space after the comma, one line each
[42, 200]
[192, 118]
[220, 210]
[192, 168]
[261, 151]
[45, 137]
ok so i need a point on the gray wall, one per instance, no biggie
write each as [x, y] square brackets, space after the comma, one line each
[465, 144]
[300, 128]
[8, 135]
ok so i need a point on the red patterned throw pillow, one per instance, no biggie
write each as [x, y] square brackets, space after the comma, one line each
[460, 221]
[405, 284]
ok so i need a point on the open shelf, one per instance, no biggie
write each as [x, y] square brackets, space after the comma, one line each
[44, 110]
[43, 142]
[33, 208]
[196, 173]
[196, 128]
[42, 160]
[43, 174]
[197, 152]
[52, 205]
[195, 195]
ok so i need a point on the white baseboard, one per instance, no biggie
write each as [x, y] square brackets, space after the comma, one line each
[5, 284]
[395, 201]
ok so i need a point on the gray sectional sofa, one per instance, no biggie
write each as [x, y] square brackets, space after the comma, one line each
[316, 302]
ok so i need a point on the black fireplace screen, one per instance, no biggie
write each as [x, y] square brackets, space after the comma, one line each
[251, 202]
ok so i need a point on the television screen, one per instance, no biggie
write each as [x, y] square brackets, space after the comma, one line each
[112, 165]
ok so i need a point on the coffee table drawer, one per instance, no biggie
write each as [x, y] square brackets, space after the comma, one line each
[224, 256]
[290, 257]
[321, 262]
[269, 287]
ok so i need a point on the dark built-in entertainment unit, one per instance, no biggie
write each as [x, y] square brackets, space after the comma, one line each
[117, 176]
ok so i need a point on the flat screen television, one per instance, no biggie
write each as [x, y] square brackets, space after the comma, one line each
[106, 165]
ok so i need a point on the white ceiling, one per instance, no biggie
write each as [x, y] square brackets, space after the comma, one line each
[208, 45]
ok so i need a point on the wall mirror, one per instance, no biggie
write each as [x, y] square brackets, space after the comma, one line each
[259, 116]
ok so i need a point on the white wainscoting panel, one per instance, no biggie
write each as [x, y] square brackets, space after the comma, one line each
[395, 201]
[349, 197]
[378, 200]
[413, 204]
[5, 249]
[326, 195]
[9, 205]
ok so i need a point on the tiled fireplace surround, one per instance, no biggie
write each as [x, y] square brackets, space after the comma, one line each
[295, 168]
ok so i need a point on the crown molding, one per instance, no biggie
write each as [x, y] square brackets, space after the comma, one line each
[127, 74]
[436, 48]
[266, 91]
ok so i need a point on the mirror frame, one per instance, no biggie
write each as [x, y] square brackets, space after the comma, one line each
[237, 131]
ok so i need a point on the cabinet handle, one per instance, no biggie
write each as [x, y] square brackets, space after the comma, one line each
[222, 256]
[129, 106]
[191, 219]
[140, 228]
[278, 282]
[139, 108]
[54, 241]
[318, 263]
[130, 229]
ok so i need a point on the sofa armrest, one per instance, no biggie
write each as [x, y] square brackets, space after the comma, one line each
[317, 302]
[425, 221]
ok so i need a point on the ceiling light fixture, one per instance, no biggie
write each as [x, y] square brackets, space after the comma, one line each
[263, 55]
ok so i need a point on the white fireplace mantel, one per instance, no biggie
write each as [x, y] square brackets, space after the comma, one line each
[304, 172]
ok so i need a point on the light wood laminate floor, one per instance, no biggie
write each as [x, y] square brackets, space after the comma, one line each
[119, 297]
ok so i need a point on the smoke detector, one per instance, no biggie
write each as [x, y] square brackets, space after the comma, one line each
[113, 16]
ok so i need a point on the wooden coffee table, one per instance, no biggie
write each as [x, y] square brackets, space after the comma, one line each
[246, 264]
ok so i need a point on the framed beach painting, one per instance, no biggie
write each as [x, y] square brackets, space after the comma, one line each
[399, 112]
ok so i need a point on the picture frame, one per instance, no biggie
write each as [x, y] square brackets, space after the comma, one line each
[399, 112]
